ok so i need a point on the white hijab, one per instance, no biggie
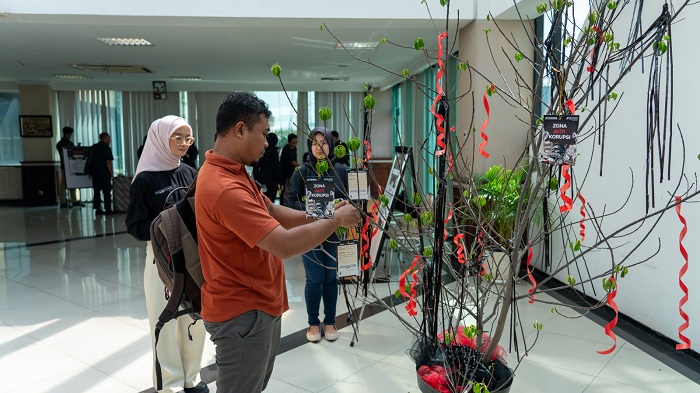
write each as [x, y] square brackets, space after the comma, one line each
[156, 156]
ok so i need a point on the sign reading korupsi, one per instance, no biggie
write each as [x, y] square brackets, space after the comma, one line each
[559, 134]
[320, 196]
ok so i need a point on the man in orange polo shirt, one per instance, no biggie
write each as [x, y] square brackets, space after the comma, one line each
[243, 238]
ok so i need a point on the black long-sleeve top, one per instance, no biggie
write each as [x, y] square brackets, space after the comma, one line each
[148, 195]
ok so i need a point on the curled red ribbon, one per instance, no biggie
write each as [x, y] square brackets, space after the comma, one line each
[411, 306]
[481, 253]
[483, 127]
[571, 106]
[568, 202]
[583, 217]
[368, 154]
[609, 327]
[439, 119]
[449, 217]
[529, 276]
[366, 237]
[461, 257]
[684, 288]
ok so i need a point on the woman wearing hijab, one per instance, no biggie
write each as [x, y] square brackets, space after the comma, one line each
[321, 267]
[159, 182]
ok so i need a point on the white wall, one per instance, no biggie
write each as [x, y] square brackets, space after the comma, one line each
[650, 293]
[10, 183]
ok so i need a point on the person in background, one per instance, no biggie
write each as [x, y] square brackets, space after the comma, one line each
[268, 172]
[243, 238]
[100, 170]
[320, 264]
[139, 151]
[337, 142]
[66, 142]
[190, 158]
[288, 163]
[159, 173]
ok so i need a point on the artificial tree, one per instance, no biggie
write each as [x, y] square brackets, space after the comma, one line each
[467, 219]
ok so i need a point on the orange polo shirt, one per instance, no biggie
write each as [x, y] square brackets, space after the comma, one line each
[232, 218]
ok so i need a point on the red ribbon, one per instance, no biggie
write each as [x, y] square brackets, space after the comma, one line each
[591, 67]
[411, 306]
[529, 276]
[609, 327]
[684, 288]
[568, 202]
[483, 127]
[571, 106]
[439, 119]
[583, 217]
[449, 217]
[461, 257]
[366, 237]
[368, 153]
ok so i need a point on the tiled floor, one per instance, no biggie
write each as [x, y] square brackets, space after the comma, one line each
[73, 319]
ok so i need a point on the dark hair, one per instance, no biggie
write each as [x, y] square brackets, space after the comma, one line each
[291, 137]
[237, 107]
[272, 140]
[335, 134]
[67, 130]
[104, 135]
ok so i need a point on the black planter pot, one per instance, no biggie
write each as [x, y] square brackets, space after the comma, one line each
[502, 374]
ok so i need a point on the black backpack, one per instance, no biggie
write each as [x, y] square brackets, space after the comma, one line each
[174, 242]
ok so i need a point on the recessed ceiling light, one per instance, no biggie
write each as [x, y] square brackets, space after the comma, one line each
[185, 78]
[335, 78]
[71, 76]
[125, 41]
[357, 45]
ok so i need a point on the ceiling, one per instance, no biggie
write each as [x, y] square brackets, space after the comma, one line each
[227, 53]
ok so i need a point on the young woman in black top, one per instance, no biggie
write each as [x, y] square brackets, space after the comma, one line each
[158, 176]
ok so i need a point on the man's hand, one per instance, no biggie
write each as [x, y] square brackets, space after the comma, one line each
[347, 215]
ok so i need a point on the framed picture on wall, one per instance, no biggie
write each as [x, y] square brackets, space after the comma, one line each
[35, 126]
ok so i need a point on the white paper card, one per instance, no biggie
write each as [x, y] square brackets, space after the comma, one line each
[357, 185]
[348, 260]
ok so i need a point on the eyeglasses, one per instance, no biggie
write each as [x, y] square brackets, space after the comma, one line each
[183, 141]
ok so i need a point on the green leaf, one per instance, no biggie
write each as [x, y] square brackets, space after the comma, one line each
[607, 37]
[353, 143]
[554, 310]
[567, 41]
[383, 40]
[591, 41]
[369, 101]
[661, 47]
[570, 280]
[470, 331]
[518, 57]
[612, 5]
[462, 66]
[541, 8]
[558, 4]
[428, 251]
[276, 69]
[397, 294]
[416, 198]
[324, 113]
[466, 192]
[393, 244]
[624, 271]
[405, 72]
[488, 277]
[407, 217]
[487, 30]
[340, 231]
[593, 18]
[340, 151]
[384, 200]
[488, 17]
[553, 183]
[321, 166]
[303, 198]
[575, 246]
[667, 37]
[418, 43]
[537, 325]
[491, 89]
[449, 337]
[444, 2]
[612, 96]
[426, 218]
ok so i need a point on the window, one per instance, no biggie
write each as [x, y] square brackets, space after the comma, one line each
[11, 152]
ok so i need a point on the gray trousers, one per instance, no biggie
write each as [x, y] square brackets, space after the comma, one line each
[246, 347]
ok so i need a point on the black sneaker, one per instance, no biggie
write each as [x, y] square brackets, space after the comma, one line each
[200, 388]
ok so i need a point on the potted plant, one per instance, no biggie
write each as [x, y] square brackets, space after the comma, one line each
[525, 204]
